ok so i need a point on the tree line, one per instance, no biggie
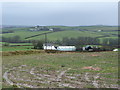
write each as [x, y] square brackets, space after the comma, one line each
[80, 41]
[10, 31]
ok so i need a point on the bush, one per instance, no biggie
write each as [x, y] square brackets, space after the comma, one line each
[6, 44]
[38, 44]
[106, 48]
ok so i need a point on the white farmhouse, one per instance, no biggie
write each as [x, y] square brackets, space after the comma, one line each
[49, 46]
[59, 48]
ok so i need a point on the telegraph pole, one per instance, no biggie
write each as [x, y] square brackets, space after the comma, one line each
[46, 40]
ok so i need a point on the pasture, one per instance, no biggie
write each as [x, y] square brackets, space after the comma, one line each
[61, 70]
[70, 32]
[16, 46]
[76, 31]
[28, 68]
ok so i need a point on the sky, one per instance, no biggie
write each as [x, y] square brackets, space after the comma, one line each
[60, 13]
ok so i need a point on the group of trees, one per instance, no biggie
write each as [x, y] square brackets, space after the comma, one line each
[78, 42]
[87, 41]
[37, 44]
[14, 39]
[110, 42]
[10, 31]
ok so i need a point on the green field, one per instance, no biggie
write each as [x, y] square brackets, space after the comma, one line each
[15, 48]
[70, 32]
[61, 70]
[17, 43]
[92, 31]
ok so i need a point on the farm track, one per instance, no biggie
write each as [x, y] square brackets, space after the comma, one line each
[25, 76]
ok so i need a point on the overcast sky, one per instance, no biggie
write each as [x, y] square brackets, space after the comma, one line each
[60, 13]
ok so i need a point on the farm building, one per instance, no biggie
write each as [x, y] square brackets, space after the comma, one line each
[66, 48]
[88, 48]
[49, 46]
[60, 48]
[115, 50]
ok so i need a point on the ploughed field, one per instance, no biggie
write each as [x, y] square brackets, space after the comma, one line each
[61, 70]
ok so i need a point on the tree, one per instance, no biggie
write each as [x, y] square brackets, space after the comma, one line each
[38, 44]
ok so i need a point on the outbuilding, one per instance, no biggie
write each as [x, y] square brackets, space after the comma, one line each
[66, 48]
[115, 50]
[88, 48]
[49, 46]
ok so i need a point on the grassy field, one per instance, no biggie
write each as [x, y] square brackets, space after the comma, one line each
[25, 67]
[69, 33]
[87, 31]
[17, 43]
[77, 31]
[15, 48]
[61, 70]
[22, 33]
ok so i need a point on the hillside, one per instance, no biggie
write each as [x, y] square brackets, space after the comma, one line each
[65, 31]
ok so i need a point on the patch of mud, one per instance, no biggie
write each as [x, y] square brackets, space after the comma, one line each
[92, 68]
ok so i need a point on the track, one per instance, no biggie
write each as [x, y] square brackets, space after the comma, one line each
[24, 76]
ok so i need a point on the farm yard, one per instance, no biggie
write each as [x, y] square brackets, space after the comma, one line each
[61, 70]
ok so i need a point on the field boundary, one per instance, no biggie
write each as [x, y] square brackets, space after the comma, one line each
[10, 53]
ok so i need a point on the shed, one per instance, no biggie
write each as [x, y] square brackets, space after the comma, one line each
[66, 48]
[115, 50]
[88, 48]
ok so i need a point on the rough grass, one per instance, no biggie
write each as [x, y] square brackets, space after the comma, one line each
[63, 70]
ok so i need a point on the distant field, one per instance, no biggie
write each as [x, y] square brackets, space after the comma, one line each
[70, 32]
[15, 48]
[22, 34]
[87, 31]
[86, 27]
[61, 70]
[17, 43]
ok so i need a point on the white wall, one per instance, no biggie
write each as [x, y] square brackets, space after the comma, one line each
[60, 48]
[49, 47]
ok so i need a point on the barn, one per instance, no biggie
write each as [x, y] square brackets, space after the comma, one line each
[88, 48]
[66, 48]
